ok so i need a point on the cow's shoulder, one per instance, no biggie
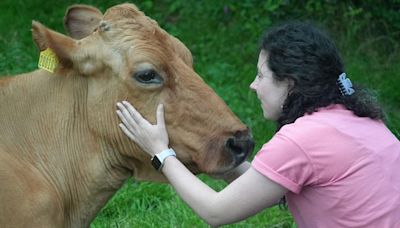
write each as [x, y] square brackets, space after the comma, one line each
[29, 196]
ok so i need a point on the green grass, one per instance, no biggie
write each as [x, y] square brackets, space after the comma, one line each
[156, 205]
[224, 46]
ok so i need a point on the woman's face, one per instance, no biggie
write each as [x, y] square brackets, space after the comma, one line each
[270, 92]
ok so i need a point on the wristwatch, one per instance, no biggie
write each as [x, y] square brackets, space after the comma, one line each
[158, 160]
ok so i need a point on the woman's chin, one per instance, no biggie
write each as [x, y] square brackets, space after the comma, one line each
[270, 116]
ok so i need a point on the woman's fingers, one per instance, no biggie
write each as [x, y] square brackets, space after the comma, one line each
[125, 122]
[136, 116]
[127, 132]
[149, 137]
[126, 118]
[160, 115]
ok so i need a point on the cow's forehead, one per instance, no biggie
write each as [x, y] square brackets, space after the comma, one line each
[127, 16]
[129, 27]
[122, 11]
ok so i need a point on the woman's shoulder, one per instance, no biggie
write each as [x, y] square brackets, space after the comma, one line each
[331, 120]
[336, 124]
[322, 118]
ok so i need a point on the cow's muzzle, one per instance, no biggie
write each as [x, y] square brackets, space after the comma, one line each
[240, 145]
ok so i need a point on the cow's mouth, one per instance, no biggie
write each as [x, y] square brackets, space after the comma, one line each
[235, 151]
[220, 158]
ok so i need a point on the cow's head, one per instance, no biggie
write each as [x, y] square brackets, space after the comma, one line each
[124, 55]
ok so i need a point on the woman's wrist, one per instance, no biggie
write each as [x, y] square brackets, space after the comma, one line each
[166, 161]
[158, 149]
[158, 159]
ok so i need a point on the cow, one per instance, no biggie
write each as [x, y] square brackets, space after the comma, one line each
[62, 154]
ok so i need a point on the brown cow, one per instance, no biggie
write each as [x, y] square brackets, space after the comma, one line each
[60, 162]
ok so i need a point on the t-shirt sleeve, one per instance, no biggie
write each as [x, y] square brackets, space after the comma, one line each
[284, 162]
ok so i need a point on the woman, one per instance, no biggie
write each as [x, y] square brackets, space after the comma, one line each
[332, 157]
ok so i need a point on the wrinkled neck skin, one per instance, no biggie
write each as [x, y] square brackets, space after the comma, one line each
[48, 116]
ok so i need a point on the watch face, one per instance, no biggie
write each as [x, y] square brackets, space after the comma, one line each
[156, 163]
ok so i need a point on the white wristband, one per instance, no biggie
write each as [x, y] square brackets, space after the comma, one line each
[158, 160]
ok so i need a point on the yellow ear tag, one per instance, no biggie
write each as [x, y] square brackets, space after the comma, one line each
[48, 60]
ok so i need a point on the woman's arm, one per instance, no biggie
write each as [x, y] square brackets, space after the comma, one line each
[246, 195]
[234, 173]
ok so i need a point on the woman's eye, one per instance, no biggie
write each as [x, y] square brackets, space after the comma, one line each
[148, 77]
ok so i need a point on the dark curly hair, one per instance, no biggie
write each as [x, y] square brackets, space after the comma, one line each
[304, 54]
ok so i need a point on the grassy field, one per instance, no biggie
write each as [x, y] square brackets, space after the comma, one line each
[223, 37]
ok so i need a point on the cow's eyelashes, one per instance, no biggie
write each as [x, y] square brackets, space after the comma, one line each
[148, 77]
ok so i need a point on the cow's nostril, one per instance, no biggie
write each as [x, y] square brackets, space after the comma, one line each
[240, 145]
[233, 146]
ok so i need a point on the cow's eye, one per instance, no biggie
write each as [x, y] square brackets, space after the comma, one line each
[148, 77]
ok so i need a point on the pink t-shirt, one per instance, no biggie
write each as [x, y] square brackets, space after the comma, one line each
[341, 170]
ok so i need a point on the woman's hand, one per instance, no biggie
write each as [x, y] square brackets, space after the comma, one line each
[151, 138]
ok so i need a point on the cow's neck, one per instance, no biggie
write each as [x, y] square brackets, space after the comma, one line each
[82, 169]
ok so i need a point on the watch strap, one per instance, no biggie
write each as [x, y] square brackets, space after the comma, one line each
[158, 160]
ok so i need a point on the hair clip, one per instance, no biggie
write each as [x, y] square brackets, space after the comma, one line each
[345, 85]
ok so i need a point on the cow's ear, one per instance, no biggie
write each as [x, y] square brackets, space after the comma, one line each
[61, 45]
[81, 20]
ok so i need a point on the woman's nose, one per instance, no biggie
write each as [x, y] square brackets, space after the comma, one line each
[253, 85]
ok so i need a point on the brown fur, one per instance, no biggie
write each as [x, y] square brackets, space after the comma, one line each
[62, 155]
